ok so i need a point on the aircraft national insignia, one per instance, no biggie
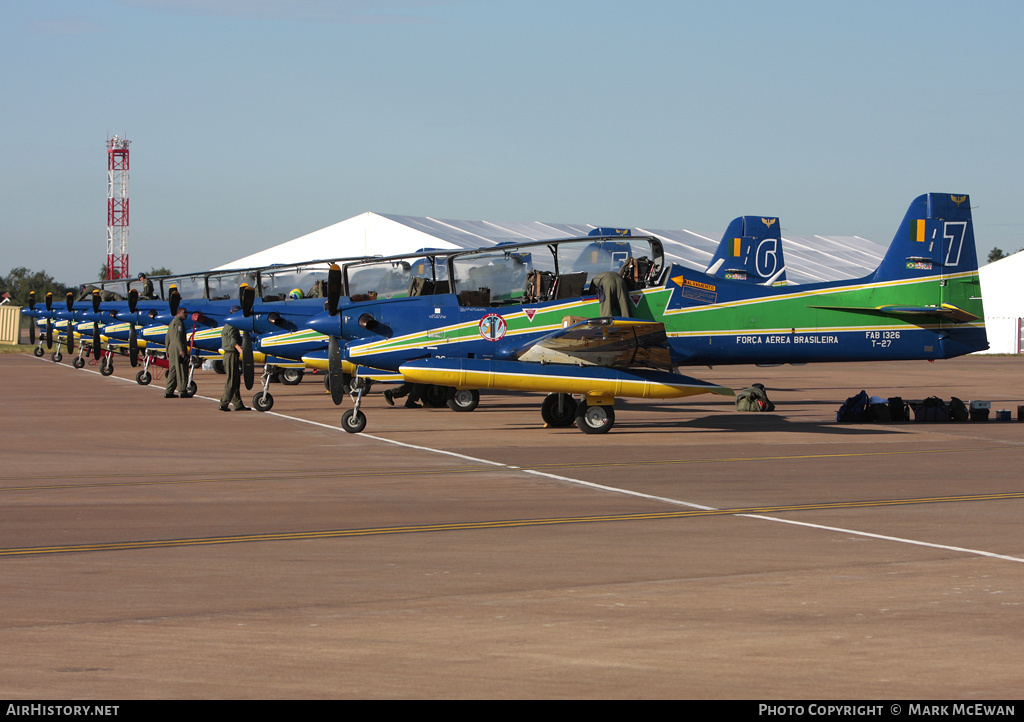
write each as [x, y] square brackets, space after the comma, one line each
[492, 327]
[769, 221]
[958, 199]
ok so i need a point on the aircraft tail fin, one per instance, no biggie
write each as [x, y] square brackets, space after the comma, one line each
[751, 250]
[936, 238]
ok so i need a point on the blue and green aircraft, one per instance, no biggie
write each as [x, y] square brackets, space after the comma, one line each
[494, 331]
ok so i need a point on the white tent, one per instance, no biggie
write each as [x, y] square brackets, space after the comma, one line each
[808, 258]
[1004, 303]
[368, 234]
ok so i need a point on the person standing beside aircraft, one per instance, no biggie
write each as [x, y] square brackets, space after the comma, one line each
[175, 342]
[231, 347]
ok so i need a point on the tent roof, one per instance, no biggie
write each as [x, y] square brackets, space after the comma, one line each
[808, 258]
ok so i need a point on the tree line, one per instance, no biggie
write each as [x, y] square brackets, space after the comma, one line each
[20, 281]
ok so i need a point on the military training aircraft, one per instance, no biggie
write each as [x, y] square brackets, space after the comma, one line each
[517, 317]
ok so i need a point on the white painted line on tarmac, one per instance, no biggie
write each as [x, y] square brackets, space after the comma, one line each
[629, 492]
[903, 540]
[667, 500]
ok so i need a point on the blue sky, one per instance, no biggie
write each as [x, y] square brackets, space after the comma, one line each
[254, 122]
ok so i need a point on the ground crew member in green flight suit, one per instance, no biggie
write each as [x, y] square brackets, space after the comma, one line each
[612, 293]
[176, 355]
[231, 347]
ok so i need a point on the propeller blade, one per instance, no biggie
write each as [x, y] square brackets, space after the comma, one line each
[335, 372]
[247, 298]
[95, 301]
[133, 346]
[96, 340]
[32, 323]
[247, 364]
[175, 301]
[49, 334]
[133, 300]
[333, 290]
[69, 301]
[49, 300]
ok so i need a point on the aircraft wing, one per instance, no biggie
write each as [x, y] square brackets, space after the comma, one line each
[612, 342]
[945, 312]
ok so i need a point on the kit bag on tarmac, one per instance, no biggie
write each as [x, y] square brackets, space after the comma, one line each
[854, 409]
[877, 411]
[931, 410]
[899, 410]
[958, 410]
[754, 398]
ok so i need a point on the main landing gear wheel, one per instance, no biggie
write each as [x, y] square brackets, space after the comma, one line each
[38, 351]
[56, 357]
[143, 378]
[78, 363]
[290, 377]
[263, 402]
[353, 421]
[107, 366]
[464, 400]
[435, 396]
[558, 410]
[594, 419]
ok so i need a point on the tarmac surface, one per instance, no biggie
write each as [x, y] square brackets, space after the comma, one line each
[157, 548]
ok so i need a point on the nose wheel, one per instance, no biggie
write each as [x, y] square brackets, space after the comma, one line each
[263, 401]
[353, 421]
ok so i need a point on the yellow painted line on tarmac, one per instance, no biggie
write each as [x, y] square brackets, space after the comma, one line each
[790, 457]
[143, 480]
[149, 478]
[479, 525]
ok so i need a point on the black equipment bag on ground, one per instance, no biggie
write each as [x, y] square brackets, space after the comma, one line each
[899, 410]
[931, 410]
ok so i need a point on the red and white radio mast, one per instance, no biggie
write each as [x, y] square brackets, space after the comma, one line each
[117, 208]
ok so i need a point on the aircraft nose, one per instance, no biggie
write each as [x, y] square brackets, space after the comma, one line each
[326, 324]
[238, 320]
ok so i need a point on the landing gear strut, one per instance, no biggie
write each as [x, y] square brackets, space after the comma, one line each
[263, 401]
[353, 421]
